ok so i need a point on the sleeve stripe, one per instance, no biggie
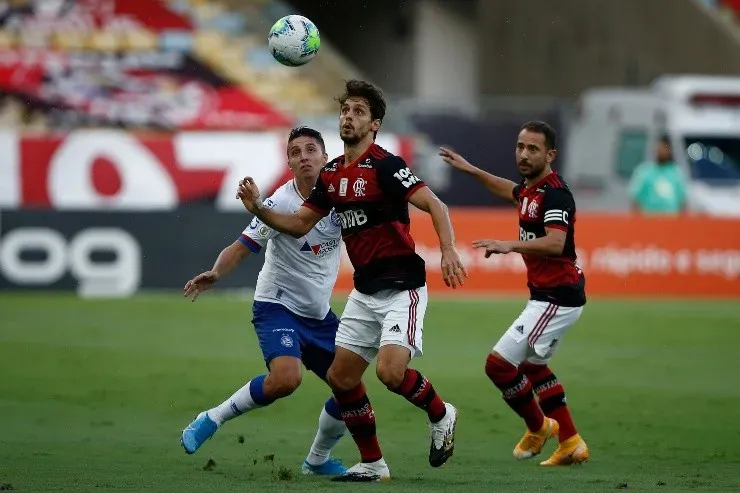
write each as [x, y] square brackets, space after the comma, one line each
[556, 216]
[250, 243]
[413, 189]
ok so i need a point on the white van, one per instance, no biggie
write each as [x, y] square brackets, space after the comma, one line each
[615, 129]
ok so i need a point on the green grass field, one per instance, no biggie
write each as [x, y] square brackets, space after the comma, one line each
[94, 394]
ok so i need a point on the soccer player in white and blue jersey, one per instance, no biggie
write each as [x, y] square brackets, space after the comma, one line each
[291, 312]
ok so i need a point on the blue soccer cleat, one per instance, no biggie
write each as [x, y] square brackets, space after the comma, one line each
[332, 467]
[197, 432]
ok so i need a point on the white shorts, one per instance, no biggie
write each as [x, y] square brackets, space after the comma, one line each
[386, 317]
[534, 336]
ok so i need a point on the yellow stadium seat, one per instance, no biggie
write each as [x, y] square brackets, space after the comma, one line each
[105, 41]
[140, 40]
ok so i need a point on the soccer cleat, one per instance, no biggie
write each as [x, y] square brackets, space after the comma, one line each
[532, 442]
[572, 451]
[443, 437]
[332, 467]
[366, 472]
[197, 432]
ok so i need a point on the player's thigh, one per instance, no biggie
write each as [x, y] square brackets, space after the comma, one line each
[359, 327]
[544, 341]
[513, 346]
[277, 331]
[403, 319]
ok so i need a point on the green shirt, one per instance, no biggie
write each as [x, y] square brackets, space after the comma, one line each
[658, 188]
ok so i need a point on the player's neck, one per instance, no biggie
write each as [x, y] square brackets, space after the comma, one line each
[353, 152]
[304, 185]
[528, 182]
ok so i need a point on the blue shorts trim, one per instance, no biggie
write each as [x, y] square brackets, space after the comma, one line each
[283, 333]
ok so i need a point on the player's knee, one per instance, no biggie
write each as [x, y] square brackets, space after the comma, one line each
[340, 382]
[282, 384]
[500, 371]
[391, 372]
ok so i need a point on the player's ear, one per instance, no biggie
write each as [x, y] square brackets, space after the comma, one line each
[325, 158]
[375, 125]
[551, 154]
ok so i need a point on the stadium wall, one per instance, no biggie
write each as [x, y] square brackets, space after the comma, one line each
[107, 213]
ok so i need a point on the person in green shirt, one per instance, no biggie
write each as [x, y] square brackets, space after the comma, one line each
[659, 187]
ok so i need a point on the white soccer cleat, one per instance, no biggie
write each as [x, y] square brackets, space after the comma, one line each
[443, 437]
[366, 472]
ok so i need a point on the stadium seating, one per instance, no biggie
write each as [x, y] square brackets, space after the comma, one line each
[227, 36]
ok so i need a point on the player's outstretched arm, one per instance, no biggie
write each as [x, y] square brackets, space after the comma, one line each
[296, 225]
[226, 262]
[498, 186]
[453, 270]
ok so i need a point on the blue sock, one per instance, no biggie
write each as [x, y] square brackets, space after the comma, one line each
[332, 408]
[257, 390]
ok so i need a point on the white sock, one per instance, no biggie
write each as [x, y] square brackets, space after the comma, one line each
[331, 430]
[236, 405]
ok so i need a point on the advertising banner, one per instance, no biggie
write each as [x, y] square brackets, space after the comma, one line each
[621, 255]
[114, 254]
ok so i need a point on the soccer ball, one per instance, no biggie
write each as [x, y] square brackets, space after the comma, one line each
[294, 40]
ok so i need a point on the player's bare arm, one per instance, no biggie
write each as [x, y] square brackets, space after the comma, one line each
[550, 245]
[453, 270]
[226, 262]
[501, 187]
[296, 225]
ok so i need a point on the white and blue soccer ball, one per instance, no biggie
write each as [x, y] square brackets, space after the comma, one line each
[294, 40]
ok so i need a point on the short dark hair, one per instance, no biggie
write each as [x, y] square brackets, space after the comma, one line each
[540, 127]
[307, 132]
[367, 91]
[664, 139]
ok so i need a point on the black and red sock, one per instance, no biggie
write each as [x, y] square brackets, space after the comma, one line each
[420, 392]
[552, 398]
[517, 391]
[358, 415]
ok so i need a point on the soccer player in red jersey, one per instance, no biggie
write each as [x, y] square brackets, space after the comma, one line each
[370, 190]
[518, 363]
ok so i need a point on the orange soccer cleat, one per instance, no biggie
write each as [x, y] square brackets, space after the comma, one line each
[532, 442]
[572, 451]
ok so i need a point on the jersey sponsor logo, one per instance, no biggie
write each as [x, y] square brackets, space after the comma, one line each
[263, 232]
[359, 187]
[525, 235]
[556, 216]
[406, 177]
[343, 187]
[366, 164]
[331, 188]
[322, 249]
[352, 217]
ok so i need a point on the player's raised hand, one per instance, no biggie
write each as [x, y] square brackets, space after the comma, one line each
[198, 284]
[453, 270]
[249, 194]
[455, 160]
[493, 246]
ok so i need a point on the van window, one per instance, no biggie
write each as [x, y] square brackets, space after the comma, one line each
[631, 149]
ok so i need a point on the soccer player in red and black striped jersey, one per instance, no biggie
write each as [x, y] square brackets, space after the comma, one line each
[518, 363]
[370, 190]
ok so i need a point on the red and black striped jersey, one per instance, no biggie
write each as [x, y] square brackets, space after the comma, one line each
[549, 203]
[370, 197]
